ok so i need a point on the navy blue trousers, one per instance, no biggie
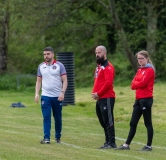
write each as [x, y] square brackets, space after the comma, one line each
[51, 105]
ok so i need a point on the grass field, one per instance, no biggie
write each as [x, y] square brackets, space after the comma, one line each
[21, 128]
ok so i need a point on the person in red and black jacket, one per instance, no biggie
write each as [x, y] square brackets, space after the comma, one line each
[143, 84]
[103, 92]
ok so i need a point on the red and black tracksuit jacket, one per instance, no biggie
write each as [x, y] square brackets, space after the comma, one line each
[103, 80]
[143, 82]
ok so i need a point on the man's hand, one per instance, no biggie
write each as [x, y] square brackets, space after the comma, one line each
[95, 96]
[61, 96]
[36, 98]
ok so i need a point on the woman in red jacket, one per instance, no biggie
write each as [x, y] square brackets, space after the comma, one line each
[142, 83]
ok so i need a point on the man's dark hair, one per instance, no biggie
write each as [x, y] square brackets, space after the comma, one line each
[49, 49]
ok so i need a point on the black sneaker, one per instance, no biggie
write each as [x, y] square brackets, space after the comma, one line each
[58, 140]
[102, 146]
[107, 146]
[123, 148]
[146, 148]
[45, 141]
[113, 145]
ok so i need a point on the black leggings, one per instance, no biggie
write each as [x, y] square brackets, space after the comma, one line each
[142, 106]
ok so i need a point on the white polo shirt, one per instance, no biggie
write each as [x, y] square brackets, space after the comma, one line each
[51, 78]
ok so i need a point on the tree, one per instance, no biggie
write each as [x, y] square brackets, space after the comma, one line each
[4, 29]
[122, 35]
[79, 26]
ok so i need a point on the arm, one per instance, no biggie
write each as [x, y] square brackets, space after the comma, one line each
[37, 88]
[136, 84]
[64, 87]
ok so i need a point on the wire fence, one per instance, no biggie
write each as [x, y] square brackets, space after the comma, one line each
[25, 80]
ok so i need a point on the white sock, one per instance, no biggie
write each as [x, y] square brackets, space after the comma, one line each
[125, 145]
[148, 146]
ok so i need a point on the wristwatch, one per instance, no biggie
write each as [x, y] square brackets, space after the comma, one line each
[63, 92]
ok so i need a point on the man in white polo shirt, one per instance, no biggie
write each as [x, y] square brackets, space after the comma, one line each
[51, 75]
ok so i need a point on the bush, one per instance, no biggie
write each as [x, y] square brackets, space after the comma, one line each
[16, 81]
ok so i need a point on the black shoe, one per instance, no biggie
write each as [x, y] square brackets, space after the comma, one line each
[106, 146]
[102, 146]
[122, 148]
[146, 148]
[113, 145]
[58, 140]
[45, 141]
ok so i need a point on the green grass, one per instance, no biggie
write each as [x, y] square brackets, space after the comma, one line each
[21, 128]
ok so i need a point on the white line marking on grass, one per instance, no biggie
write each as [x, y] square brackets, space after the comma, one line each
[122, 139]
[139, 143]
[125, 155]
[67, 144]
[75, 146]
[119, 154]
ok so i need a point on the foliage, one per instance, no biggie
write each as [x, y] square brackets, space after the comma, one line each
[17, 82]
[79, 26]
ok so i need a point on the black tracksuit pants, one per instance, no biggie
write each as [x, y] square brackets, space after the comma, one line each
[141, 107]
[104, 111]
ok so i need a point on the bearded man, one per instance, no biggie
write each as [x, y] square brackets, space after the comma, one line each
[103, 93]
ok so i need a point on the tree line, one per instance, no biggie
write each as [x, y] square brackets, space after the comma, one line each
[124, 27]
